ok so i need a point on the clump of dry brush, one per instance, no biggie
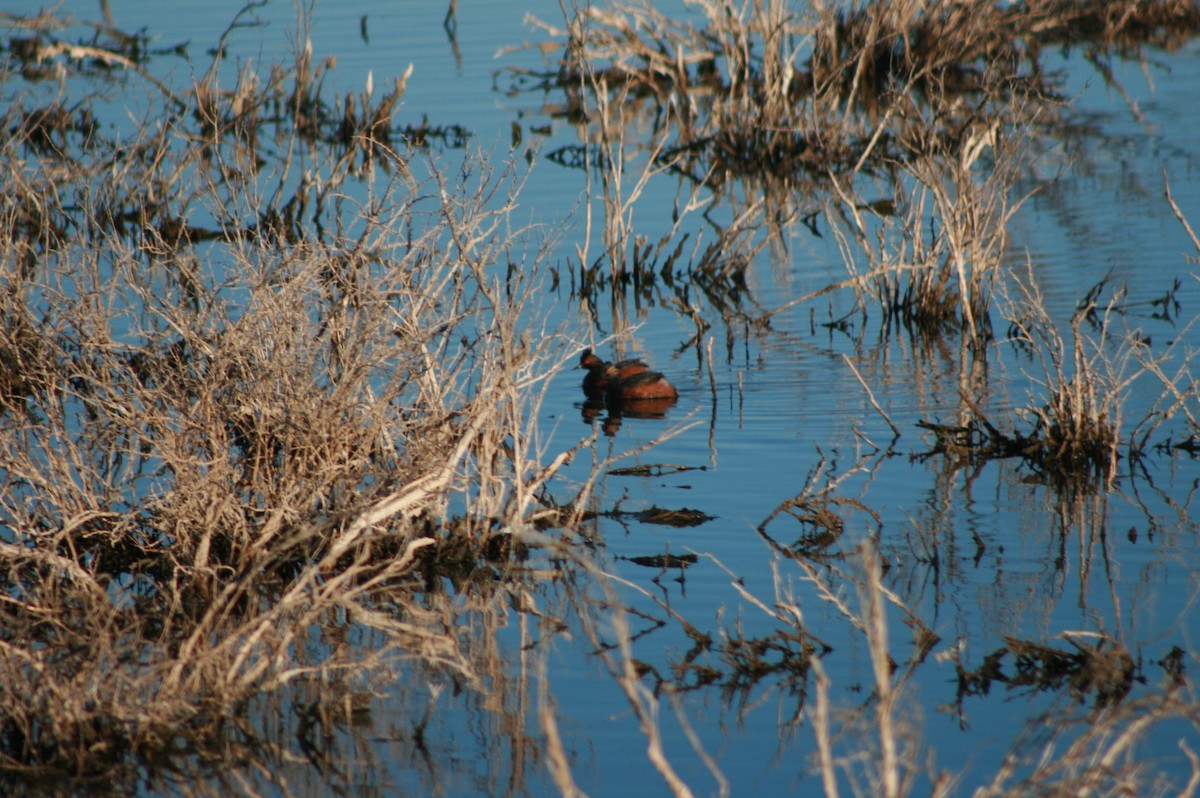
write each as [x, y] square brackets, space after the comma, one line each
[764, 89]
[222, 454]
[896, 121]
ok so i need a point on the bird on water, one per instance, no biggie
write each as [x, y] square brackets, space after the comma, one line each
[596, 381]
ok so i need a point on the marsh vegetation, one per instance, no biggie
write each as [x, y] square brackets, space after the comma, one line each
[277, 367]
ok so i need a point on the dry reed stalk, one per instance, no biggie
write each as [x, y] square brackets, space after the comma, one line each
[617, 655]
[558, 763]
[891, 778]
[822, 725]
[225, 444]
[1180, 216]
[1098, 753]
[871, 397]
[1085, 383]
[890, 768]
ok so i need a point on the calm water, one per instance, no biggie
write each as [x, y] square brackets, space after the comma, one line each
[1012, 557]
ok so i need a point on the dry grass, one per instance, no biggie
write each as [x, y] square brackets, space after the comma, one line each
[756, 88]
[1083, 383]
[228, 439]
[917, 120]
[253, 437]
[932, 265]
[758, 101]
[1090, 753]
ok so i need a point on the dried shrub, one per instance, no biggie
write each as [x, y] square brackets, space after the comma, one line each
[760, 101]
[1076, 439]
[238, 435]
[759, 89]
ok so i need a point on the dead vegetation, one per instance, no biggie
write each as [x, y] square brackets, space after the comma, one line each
[231, 440]
[906, 127]
[1103, 672]
[1071, 432]
[197, 480]
[245, 425]
[761, 89]
[1108, 701]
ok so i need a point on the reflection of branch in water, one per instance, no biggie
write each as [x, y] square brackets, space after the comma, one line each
[618, 656]
[814, 507]
[653, 470]
[880, 726]
[450, 24]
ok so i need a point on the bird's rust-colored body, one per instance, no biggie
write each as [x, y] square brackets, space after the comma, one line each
[639, 386]
[596, 381]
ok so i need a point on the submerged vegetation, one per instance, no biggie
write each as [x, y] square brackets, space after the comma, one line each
[271, 366]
